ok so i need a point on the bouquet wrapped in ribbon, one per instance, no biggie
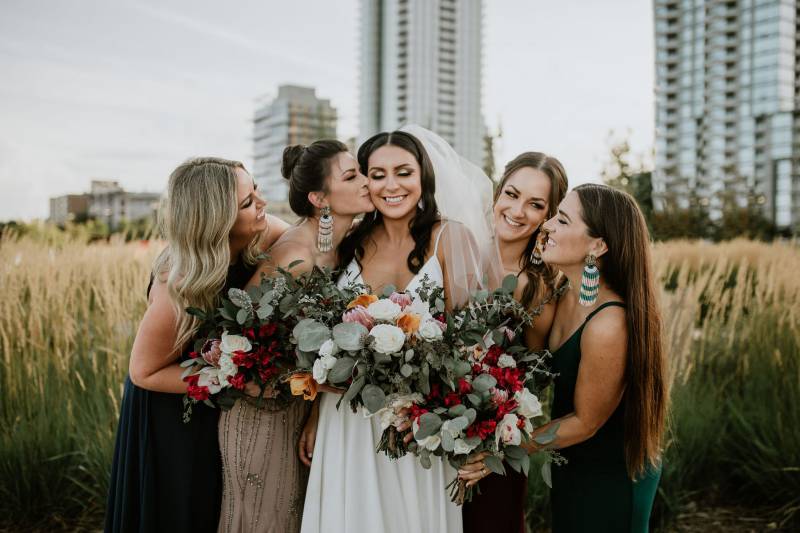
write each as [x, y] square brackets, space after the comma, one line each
[248, 339]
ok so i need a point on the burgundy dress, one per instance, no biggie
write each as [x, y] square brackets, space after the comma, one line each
[500, 508]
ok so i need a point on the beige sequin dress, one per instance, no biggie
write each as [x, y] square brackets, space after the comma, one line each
[264, 482]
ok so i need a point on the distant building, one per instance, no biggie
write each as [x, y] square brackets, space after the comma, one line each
[295, 116]
[112, 204]
[421, 62]
[68, 208]
[727, 96]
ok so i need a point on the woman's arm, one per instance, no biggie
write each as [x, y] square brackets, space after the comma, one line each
[601, 380]
[152, 365]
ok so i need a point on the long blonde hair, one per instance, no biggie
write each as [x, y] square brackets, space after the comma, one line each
[195, 217]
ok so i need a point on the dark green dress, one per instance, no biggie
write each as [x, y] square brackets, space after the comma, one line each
[592, 492]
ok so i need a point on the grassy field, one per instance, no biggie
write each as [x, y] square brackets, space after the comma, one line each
[68, 314]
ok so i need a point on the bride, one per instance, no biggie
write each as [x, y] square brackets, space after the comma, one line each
[432, 208]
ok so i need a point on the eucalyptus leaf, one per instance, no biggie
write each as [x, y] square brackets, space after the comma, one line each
[462, 368]
[406, 370]
[429, 424]
[349, 336]
[494, 464]
[310, 334]
[514, 452]
[547, 475]
[241, 316]
[354, 388]
[388, 290]
[305, 359]
[264, 311]
[474, 399]
[294, 264]
[484, 382]
[448, 442]
[471, 414]
[342, 370]
[526, 465]
[374, 398]
[439, 304]
[510, 283]
[425, 459]
[409, 355]
[457, 410]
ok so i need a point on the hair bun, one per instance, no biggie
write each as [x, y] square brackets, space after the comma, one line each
[291, 155]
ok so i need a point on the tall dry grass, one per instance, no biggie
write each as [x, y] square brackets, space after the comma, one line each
[68, 315]
[69, 311]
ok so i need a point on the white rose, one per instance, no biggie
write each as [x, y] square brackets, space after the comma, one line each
[321, 367]
[387, 338]
[384, 310]
[430, 443]
[319, 372]
[507, 430]
[227, 367]
[329, 348]
[417, 306]
[506, 361]
[430, 331]
[529, 405]
[462, 448]
[210, 377]
[234, 343]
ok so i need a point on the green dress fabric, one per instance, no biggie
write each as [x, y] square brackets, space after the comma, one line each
[592, 491]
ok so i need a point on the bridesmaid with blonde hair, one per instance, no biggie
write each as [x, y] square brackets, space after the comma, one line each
[166, 475]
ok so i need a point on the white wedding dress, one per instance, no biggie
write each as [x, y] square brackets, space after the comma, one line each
[353, 489]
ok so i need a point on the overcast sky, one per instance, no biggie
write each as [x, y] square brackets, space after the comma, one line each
[127, 90]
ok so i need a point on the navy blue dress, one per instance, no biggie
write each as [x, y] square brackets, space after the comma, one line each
[166, 475]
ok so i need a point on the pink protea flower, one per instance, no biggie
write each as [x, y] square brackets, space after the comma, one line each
[359, 314]
[498, 397]
[211, 352]
[401, 298]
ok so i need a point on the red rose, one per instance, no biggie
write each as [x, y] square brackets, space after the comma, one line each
[237, 381]
[198, 393]
[192, 379]
[245, 359]
[492, 355]
[267, 330]
[505, 408]
[266, 373]
[464, 386]
[193, 355]
[435, 392]
[481, 429]
[452, 399]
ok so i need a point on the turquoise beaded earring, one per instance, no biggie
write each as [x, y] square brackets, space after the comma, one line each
[590, 282]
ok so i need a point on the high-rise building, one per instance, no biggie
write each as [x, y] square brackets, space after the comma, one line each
[421, 63]
[295, 116]
[727, 94]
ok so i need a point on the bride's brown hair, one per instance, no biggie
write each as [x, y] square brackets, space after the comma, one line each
[627, 269]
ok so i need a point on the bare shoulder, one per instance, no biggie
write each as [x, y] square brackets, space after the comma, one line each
[288, 251]
[276, 227]
[160, 308]
[606, 334]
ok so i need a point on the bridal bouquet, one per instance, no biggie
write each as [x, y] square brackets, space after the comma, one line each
[248, 339]
[494, 402]
[390, 352]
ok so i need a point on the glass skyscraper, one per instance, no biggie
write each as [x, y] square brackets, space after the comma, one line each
[727, 94]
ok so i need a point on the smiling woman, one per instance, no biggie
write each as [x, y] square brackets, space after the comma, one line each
[214, 223]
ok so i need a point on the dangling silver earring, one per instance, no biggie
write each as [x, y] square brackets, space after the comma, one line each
[590, 282]
[325, 233]
[421, 204]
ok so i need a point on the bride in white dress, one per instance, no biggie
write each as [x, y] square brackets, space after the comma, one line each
[431, 209]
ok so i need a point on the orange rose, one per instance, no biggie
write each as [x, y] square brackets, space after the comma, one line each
[363, 300]
[408, 322]
[303, 383]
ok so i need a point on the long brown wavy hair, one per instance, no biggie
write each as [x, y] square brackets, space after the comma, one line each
[542, 278]
[626, 268]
